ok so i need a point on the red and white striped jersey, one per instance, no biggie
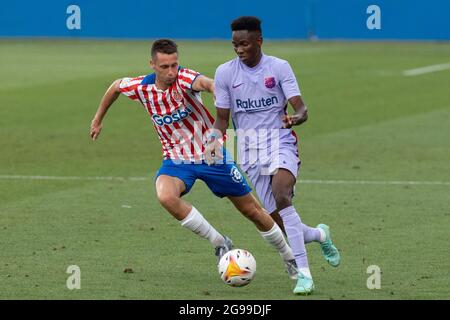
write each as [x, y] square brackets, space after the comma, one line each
[178, 114]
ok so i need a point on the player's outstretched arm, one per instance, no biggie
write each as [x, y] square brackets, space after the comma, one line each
[203, 83]
[108, 99]
[300, 115]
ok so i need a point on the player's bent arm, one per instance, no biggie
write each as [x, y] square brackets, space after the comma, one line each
[300, 115]
[108, 99]
[203, 83]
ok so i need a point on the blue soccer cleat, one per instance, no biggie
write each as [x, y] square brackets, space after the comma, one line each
[305, 285]
[329, 251]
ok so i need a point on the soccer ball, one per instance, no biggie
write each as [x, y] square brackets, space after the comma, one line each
[237, 268]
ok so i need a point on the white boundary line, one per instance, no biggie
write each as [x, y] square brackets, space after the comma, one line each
[372, 182]
[66, 178]
[342, 182]
[427, 69]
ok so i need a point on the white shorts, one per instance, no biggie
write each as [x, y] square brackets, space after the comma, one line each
[261, 175]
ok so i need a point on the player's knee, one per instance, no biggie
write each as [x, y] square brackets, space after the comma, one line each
[167, 200]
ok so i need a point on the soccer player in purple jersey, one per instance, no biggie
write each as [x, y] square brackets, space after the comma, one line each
[255, 89]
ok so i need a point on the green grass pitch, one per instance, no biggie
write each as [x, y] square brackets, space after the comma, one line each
[368, 122]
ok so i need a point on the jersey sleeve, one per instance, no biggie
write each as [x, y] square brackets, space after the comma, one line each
[128, 86]
[221, 89]
[288, 81]
[186, 78]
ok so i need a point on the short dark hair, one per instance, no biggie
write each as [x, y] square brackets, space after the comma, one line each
[248, 23]
[166, 46]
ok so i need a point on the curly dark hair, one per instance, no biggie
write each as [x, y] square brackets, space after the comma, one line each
[246, 23]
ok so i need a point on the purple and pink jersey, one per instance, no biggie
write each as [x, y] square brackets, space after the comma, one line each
[256, 96]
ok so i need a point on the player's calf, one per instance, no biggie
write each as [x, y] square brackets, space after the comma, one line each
[283, 198]
[174, 205]
[250, 208]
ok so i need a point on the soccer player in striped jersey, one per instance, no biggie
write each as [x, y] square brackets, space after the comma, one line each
[255, 90]
[171, 96]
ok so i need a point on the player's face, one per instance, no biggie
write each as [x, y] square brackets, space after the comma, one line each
[247, 46]
[166, 67]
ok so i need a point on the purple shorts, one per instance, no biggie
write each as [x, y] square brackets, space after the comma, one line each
[261, 174]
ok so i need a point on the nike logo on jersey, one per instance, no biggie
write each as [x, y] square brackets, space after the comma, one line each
[237, 85]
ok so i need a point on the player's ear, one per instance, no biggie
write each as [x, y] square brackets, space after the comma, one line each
[258, 37]
[152, 64]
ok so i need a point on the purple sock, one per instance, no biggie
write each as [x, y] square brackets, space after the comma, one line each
[294, 232]
[310, 234]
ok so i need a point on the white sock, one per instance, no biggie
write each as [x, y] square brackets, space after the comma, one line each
[306, 272]
[275, 238]
[323, 235]
[195, 222]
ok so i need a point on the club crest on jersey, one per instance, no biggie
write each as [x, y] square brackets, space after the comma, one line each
[269, 82]
[177, 116]
[236, 175]
[177, 96]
